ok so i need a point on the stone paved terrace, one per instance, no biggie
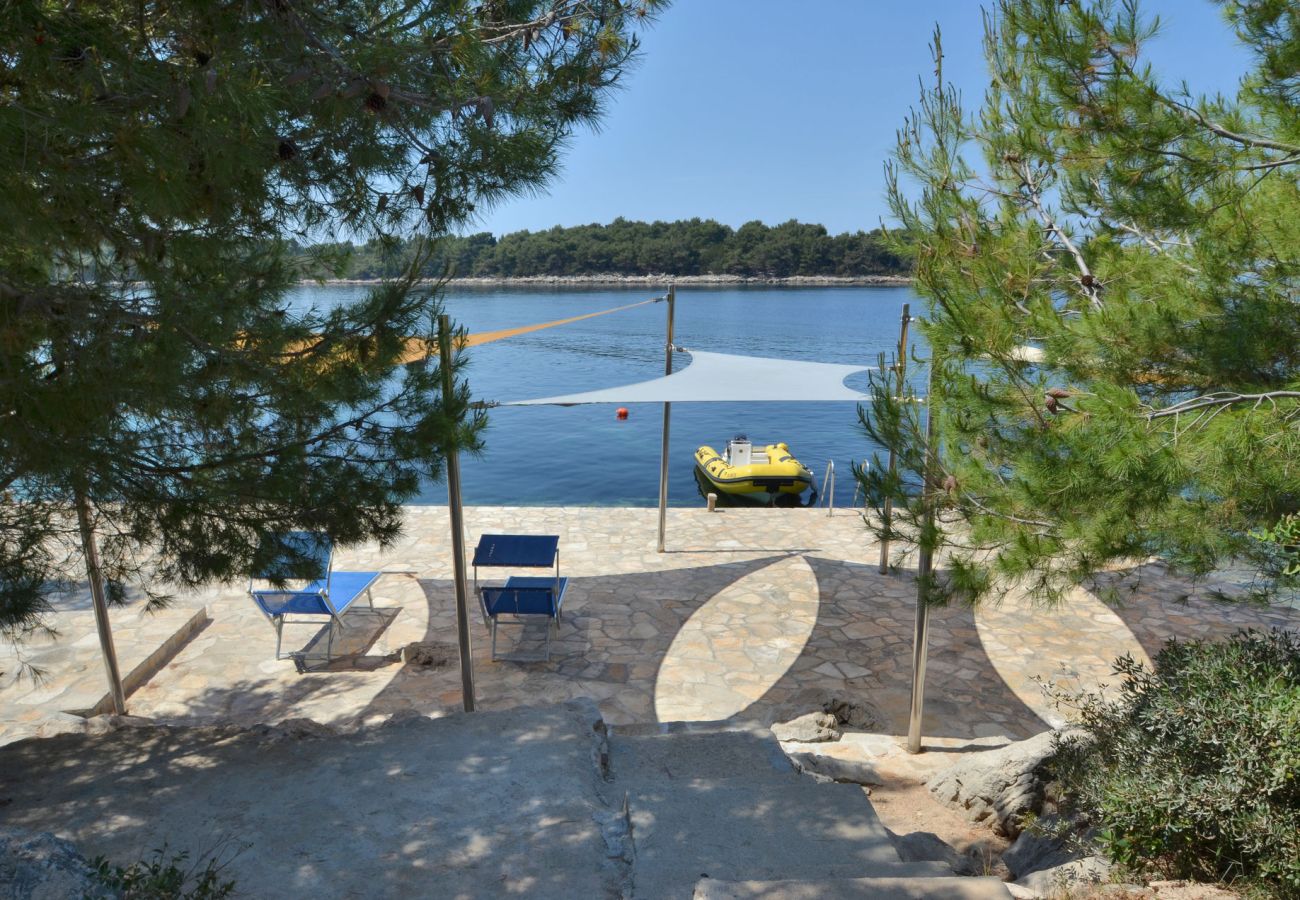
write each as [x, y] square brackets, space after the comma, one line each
[751, 614]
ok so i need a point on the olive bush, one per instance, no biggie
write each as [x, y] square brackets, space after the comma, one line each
[1194, 769]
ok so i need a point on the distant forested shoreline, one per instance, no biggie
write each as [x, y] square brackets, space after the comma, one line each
[691, 248]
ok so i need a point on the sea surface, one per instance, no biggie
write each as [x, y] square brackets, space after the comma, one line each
[584, 455]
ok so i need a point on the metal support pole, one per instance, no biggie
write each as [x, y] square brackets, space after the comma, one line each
[456, 510]
[663, 455]
[100, 601]
[924, 566]
[900, 367]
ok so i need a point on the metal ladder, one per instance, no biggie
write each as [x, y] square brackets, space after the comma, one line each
[827, 496]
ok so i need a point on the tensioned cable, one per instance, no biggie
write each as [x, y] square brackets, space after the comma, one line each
[419, 348]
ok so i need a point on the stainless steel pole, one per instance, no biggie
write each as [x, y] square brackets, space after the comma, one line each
[100, 601]
[900, 367]
[924, 566]
[663, 453]
[456, 510]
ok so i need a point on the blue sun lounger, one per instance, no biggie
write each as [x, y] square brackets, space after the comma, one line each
[525, 596]
[521, 596]
[305, 560]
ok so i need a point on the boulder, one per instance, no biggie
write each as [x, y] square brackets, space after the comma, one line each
[835, 768]
[61, 723]
[999, 787]
[293, 730]
[40, 866]
[1050, 843]
[402, 717]
[1066, 879]
[808, 729]
[103, 724]
[926, 846]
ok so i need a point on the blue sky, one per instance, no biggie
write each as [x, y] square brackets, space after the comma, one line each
[776, 110]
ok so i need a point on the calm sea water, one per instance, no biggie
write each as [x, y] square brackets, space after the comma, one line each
[585, 456]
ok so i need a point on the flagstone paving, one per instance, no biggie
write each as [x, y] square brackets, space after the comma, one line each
[49, 680]
[752, 614]
[1071, 646]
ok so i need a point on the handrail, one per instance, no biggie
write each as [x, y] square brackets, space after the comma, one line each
[828, 496]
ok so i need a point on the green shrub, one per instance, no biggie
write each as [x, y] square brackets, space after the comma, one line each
[1193, 771]
[164, 878]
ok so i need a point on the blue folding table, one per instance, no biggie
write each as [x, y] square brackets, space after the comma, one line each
[521, 595]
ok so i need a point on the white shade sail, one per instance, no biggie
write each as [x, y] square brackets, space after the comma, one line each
[725, 378]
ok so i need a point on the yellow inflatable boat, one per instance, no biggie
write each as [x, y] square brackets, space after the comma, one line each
[746, 469]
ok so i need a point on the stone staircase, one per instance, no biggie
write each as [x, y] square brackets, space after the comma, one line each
[719, 812]
[541, 802]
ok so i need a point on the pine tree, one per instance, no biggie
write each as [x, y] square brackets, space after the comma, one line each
[1147, 242]
[156, 161]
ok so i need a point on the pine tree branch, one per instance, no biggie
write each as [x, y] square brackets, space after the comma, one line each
[1158, 246]
[1221, 400]
[1191, 114]
[1035, 523]
[1087, 281]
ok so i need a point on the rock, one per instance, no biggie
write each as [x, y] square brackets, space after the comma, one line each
[1068, 877]
[1021, 893]
[1045, 846]
[402, 717]
[432, 655]
[926, 846]
[1190, 890]
[294, 730]
[808, 729]
[852, 713]
[61, 723]
[999, 787]
[106, 723]
[40, 866]
[835, 768]
[616, 831]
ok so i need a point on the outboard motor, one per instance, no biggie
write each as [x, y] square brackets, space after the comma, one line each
[739, 451]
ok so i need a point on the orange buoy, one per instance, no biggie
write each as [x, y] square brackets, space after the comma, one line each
[622, 412]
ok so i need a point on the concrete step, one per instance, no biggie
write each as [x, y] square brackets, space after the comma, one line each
[712, 801]
[734, 828]
[893, 888]
[752, 754]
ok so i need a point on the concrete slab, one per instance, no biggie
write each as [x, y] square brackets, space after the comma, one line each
[486, 805]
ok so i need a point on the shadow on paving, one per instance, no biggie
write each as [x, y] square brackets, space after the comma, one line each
[476, 806]
[617, 630]
[361, 628]
[1157, 606]
[273, 699]
[965, 697]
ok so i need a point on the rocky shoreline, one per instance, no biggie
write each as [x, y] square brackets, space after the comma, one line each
[614, 280]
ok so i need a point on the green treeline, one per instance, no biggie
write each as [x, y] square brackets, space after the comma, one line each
[689, 247]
